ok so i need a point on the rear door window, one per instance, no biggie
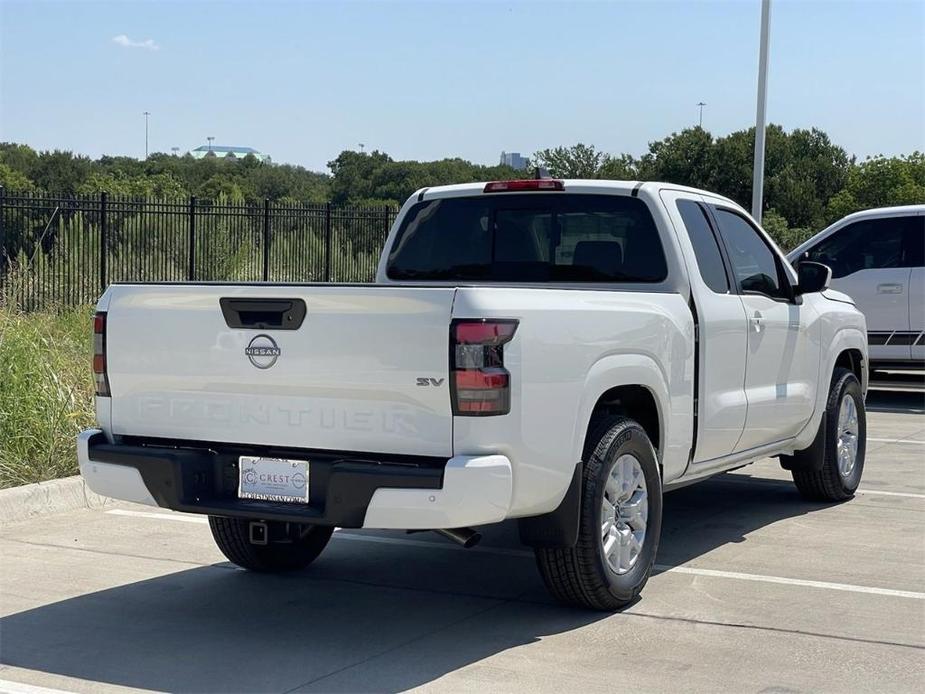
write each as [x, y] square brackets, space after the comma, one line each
[709, 258]
[534, 237]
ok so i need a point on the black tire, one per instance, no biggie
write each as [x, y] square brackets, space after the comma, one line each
[289, 546]
[823, 481]
[581, 575]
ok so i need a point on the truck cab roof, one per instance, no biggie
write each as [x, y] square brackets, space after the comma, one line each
[571, 185]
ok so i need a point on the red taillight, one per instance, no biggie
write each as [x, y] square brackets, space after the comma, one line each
[484, 332]
[523, 185]
[480, 384]
[99, 355]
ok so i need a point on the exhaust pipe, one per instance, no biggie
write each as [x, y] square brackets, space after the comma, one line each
[467, 537]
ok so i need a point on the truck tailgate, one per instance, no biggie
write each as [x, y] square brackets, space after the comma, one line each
[347, 379]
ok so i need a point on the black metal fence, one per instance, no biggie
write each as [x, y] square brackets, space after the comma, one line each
[64, 251]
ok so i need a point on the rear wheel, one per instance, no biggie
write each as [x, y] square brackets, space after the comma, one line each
[269, 546]
[837, 476]
[619, 525]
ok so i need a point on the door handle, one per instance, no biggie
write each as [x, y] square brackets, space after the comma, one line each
[756, 321]
[889, 288]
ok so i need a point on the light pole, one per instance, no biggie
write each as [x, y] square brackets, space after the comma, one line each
[361, 147]
[146, 114]
[701, 105]
[175, 151]
[210, 138]
[758, 173]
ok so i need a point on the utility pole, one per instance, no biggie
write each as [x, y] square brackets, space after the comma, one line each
[758, 174]
[701, 105]
[146, 115]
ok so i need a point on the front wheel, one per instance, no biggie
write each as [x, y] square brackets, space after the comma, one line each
[837, 475]
[269, 546]
[619, 525]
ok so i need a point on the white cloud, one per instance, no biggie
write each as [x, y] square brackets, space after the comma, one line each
[126, 42]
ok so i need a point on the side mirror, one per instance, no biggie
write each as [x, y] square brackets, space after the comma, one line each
[812, 277]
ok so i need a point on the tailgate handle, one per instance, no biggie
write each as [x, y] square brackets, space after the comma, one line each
[265, 314]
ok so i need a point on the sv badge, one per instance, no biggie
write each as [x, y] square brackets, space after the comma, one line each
[431, 381]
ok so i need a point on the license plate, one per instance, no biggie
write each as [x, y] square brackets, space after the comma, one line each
[273, 479]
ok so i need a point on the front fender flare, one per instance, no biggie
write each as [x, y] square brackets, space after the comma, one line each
[844, 339]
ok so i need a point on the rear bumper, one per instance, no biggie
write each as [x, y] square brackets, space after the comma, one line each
[345, 490]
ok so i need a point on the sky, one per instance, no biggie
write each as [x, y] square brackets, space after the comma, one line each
[302, 81]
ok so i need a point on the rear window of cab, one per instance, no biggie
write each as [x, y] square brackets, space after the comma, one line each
[530, 237]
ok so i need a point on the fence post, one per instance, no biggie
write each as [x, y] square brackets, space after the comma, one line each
[191, 268]
[327, 242]
[266, 239]
[104, 232]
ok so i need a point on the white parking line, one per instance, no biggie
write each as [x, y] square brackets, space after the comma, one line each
[791, 581]
[9, 687]
[747, 479]
[661, 568]
[882, 493]
[909, 441]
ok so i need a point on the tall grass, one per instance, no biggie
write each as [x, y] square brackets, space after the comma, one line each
[46, 392]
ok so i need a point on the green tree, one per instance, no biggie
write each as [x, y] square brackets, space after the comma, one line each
[159, 186]
[61, 172]
[803, 168]
[13, 180]
[577, 161]
[20, 158]
[686, 158]
[353, 174]
[375, 178]
[880, 182]
[221, 186]
[784, 235]
[807, 170]
[622, 167]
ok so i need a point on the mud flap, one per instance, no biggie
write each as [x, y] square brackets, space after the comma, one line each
[557, 528]
[809, 459]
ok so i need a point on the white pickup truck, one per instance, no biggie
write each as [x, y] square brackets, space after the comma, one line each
[558, 352]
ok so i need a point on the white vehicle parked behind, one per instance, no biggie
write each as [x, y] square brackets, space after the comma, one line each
[878, 259]
[556, 352]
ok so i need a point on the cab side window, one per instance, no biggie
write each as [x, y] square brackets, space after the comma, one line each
[754, 264]
[709, 258]
[872, 244]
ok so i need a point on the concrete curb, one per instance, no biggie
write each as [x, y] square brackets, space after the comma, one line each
[46, 498]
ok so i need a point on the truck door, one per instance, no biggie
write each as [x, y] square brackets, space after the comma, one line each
[722, 326]
[873, 262]
[783, 353]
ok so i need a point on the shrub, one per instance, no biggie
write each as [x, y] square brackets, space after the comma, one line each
[46, 392]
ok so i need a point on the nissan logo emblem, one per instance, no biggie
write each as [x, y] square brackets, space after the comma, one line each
[262, 351]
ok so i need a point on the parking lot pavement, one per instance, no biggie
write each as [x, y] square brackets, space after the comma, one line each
[756, 590]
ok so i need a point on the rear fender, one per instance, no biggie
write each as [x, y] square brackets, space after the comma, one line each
[559, 528]
[619, 370]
